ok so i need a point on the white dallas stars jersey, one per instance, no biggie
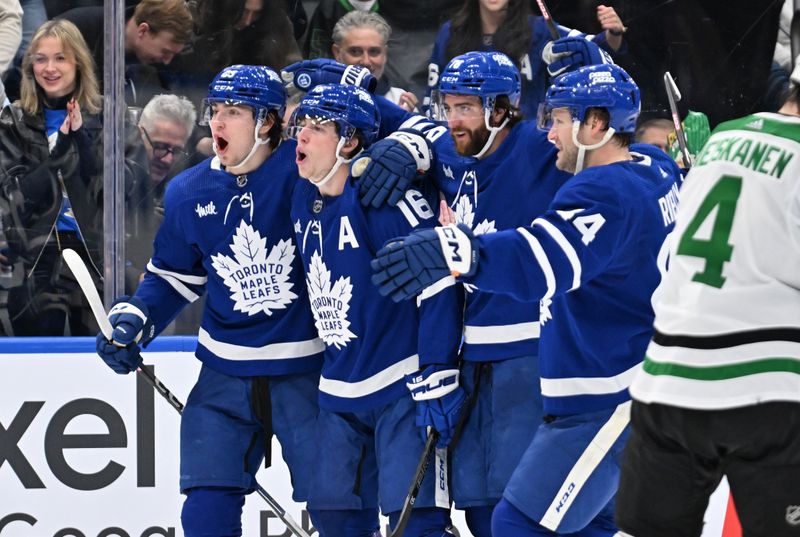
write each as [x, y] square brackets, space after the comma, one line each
[371, 342]
[232, 237]
[728, 314]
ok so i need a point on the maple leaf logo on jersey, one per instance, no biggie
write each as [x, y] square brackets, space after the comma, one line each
[465, 214]
[329, 304]
[258, 281]
[544, 311]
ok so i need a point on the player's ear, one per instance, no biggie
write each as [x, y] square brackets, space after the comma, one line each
[336, 50]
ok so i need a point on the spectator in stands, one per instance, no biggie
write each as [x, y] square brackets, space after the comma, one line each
[155, 152]
[509, 27]
[360, 38]
[155, 32]
[10, 31]
[655, 132]
[50, 156]
[231, 32]
[319, 37]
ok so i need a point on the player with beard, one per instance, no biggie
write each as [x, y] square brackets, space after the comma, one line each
[496, 172]
[594, 259]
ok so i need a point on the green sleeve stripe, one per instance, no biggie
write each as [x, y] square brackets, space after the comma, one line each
[723, 372]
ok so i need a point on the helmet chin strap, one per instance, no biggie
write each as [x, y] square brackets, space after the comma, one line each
[257, 142]
[336, 165]
[492, 132]
[582, 149]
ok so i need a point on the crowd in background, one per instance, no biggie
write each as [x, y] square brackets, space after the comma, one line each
[724, 58]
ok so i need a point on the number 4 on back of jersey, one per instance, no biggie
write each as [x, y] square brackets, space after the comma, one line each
[715, 250]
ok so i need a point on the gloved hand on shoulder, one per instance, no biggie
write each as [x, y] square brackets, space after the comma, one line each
[387, 168]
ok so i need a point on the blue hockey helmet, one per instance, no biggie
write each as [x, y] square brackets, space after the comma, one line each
[350, 107]
[595, 86]
[256, 86]
[487, 75]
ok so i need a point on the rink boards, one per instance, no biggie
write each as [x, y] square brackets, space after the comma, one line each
[85, 452]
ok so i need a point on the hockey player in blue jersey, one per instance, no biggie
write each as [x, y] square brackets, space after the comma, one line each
[227, 232]
[369, 426]
[496, 172]
[594, 259]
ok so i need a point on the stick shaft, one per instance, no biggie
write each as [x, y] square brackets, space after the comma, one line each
[84, 279]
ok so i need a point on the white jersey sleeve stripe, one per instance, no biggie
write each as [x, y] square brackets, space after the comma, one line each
[435, 288]
[376, 382]
[274, 351]
[565, 245]
[186, 278]
[586, 464]
[541, 258]
[189, 295]
[485, 335]
[565, 387]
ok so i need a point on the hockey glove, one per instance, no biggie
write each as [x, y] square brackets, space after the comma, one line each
[307, 74]
[407, 265]
[439, 400]
[129, 319]
[387, 168]
[569, 53]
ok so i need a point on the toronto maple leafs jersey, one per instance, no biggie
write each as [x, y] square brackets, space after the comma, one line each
[371, 342]
[727, 326]
[531, 67]
[507, 189]
[232, 237]
[594, 258]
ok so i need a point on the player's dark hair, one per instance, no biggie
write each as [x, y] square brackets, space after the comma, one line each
[514, 114]
[623, 139]
[275, 132]
[359, 136]
[512, 38]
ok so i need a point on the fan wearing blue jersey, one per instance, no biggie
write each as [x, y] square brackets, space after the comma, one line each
[227, 232]
[390, 370]
[594, 259]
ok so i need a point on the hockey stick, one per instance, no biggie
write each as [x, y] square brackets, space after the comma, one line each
[551, 25]
[416, 484]
[81, 273]
[674, 96]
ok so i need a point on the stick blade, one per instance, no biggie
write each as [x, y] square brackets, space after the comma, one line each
[81, 273]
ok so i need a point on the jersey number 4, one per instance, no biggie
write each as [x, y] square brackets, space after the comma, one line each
[715, 250]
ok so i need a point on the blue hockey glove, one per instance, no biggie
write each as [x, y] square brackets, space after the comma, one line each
[407, 265]
[386, 169]
[569, 53]
[439, 400]
[121, 360]
[306, 74]
[129, 319]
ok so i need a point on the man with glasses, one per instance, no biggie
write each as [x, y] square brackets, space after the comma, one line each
[155, 153]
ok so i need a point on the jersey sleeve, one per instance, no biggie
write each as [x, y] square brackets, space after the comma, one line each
[575, 240]
[175, 276]
[441, 305]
